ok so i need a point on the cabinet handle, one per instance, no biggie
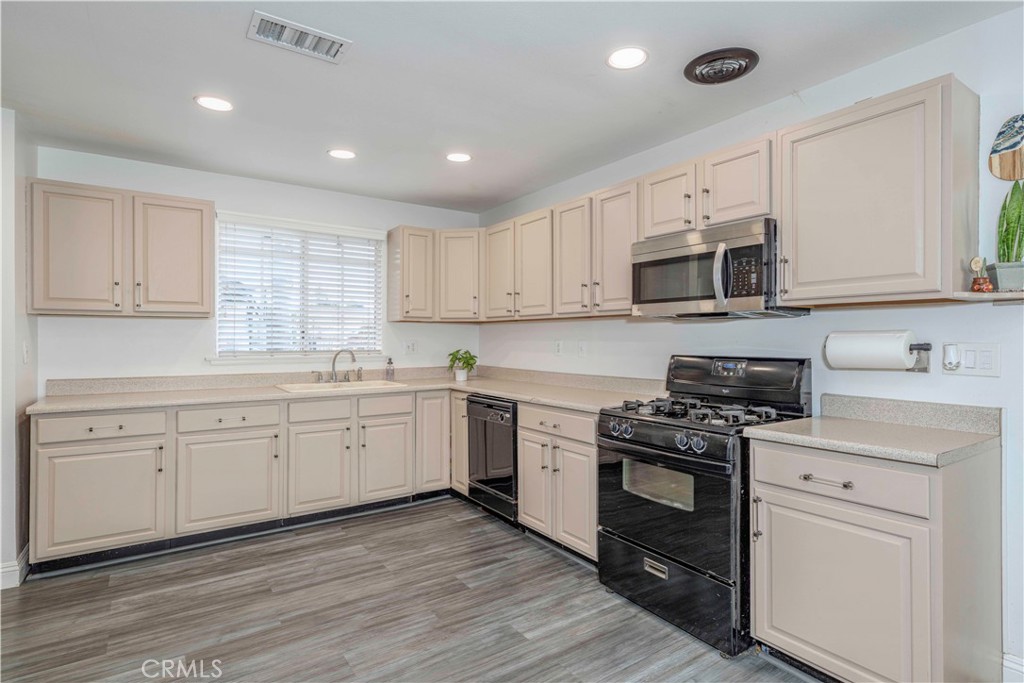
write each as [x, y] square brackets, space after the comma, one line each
[476, 306]
[810, 478]
[707, 213]
[554, 451]
[138, 294]
[517, 299]
[117, 427]
[543, 452]
[117, 295]
[509, 295]
[757, 518]
[277, 450]
[783, 261]
[160, 455]
[222, 419]
[656, 568]
[687, 201]
[583, 295]
[593, 294]
[363, 439]
[348, 438]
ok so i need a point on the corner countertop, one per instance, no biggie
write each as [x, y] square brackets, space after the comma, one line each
[558, 396]
[921, 445]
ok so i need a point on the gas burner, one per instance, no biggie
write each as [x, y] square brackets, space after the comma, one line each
[631, 406]
[732, 416]
[702, 415]
[764, 413]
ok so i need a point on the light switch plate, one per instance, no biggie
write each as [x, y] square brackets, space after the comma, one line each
[558, 347]
[979, 360]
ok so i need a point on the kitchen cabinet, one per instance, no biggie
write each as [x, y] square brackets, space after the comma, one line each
[557, 476]
[90, 497]
[735, 183]
[458, 267]
[433, 441]
[228, 478]
[877, 570]
[878, 200]
[386, 447]
[321, 468]
[615, 216]
[534, 265]
[104, 251]
[460, 443]
[500, 270]
[669, 200]
[572, 269]
[410, 273]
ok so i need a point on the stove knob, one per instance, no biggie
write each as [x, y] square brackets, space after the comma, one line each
[615, 428]
[682, 441]
[627, 430]
[699, 444]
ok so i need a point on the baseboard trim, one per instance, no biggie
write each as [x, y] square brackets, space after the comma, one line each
[13, 573]
[1013, 668]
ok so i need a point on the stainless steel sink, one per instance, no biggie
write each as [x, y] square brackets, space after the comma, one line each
[340, 387]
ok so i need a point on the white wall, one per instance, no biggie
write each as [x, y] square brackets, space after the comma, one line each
[104, 347]
[988, 58]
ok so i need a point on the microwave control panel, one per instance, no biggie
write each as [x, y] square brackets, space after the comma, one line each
[747, 276]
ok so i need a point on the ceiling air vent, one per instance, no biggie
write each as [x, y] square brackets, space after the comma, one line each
[721, 66]
[297, 38]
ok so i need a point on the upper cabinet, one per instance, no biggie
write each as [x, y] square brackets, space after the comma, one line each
[499, 270]
[518, 263]
[879, 200]
[410, 273]
[669, 200]
[103, 251]
[458, 273]
[572, 239]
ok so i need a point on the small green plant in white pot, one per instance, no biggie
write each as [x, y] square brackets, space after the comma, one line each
[1008, 274]
[462, 361]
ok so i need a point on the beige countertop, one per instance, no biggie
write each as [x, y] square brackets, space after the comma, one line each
[929, 446]
[574, 398]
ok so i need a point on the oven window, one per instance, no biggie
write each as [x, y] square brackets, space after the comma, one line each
[688, 278]
[658, 484]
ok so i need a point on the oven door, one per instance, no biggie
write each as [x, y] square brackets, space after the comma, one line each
[679, 506]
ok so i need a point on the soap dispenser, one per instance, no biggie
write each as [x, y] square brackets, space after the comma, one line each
[389, 371]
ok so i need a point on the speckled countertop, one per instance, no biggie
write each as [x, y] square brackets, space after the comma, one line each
[907, 434]
[574, 398]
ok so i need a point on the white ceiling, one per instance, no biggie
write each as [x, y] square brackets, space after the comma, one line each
[521, 86]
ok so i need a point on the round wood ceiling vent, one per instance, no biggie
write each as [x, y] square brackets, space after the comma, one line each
[721, 66]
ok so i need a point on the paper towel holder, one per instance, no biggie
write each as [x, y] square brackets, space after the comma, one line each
[922, 357]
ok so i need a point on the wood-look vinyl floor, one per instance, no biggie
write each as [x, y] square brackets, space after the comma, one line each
[435, 592]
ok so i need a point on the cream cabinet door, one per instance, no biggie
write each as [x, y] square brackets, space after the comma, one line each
[861, 204]
[321, 469]
[385, 458]
[433, 441]
[572, 278]
[500, 271]
[534, 265]
[88, 498]
[844, 590]
[669, 200]
[227, 479]
[460, 444]
[77, 248]
[534, 481]
[417, 273]
[459, 274]
[735, 183]
[615, 230]
[173, 242]
[574, 475]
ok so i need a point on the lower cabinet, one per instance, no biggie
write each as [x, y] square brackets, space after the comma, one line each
[433, 441]
[558, 489]
[228, 479]
[385, 458]
[321, 469]
[460, 444]
[94, 497]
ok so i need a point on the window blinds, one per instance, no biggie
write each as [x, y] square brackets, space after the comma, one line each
[289, 291]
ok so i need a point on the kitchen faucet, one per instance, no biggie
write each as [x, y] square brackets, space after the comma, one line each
[334, 361]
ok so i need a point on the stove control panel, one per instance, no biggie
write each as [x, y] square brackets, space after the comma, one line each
[729, 368]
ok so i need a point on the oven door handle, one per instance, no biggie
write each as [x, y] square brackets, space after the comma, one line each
[722, 285]
[676, 461]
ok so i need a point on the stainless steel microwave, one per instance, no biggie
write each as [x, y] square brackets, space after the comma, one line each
[729, 271]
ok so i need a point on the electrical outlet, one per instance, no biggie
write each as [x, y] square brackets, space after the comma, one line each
[582, 349]
[981, 360]
[410, 347]
[558, 348]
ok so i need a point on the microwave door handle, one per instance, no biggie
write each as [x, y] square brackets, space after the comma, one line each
[721, 296]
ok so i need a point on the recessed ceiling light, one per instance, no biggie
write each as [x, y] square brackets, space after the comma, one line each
[214, 103]
[341, 154]
[627, 58]
[458, 156]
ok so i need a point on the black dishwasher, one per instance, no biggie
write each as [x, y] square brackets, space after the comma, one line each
[492, 454]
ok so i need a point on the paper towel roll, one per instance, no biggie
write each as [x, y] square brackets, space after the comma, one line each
[870, 350]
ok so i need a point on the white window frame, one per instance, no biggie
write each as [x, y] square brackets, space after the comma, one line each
[305, 358]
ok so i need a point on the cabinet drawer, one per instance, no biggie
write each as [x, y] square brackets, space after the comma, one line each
[311, 411]
[577, 426]
[228, 417]
[385, 405]
[814, 471]
[55, 429]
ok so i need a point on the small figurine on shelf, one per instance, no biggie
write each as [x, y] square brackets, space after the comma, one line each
[980, 283]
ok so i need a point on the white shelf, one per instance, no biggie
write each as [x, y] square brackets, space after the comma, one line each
[996, 298]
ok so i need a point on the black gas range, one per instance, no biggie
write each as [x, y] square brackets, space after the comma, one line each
[673, 507]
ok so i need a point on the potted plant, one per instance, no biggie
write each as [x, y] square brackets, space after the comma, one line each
[462, 361]
[1008, 273]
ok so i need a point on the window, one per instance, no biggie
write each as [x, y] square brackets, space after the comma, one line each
[283, 290]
